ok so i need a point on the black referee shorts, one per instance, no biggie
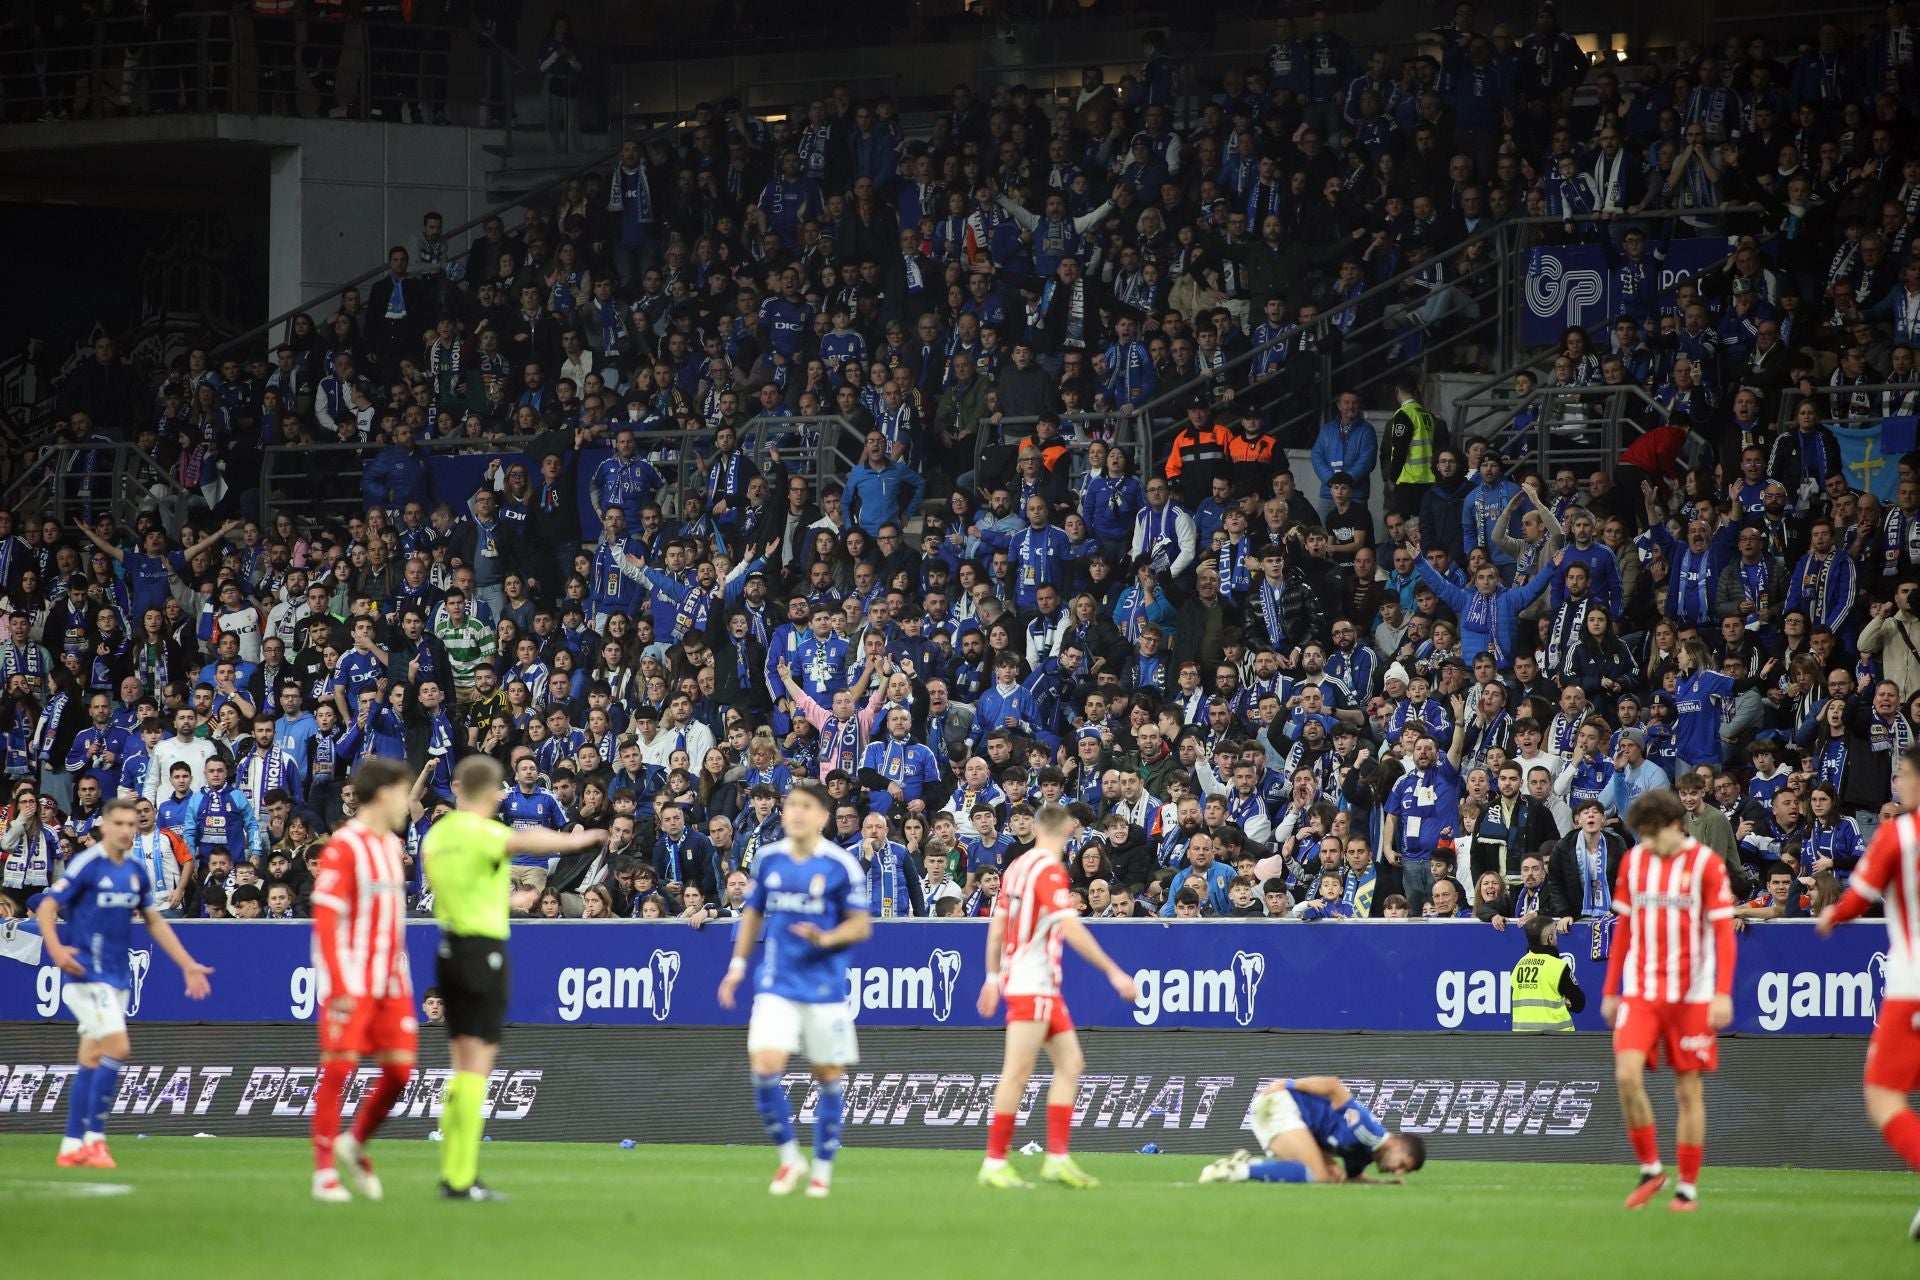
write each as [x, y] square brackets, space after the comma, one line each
[472, 975]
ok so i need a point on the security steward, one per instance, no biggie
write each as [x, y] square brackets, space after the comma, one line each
[1545, 996]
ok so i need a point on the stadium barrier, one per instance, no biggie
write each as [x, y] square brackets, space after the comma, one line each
[1219, 975]
[1776, 1100]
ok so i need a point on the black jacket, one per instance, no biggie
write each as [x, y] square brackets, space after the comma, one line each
[1492, 851]
[1564, 895]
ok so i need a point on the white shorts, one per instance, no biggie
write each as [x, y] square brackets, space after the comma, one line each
[823, 1033]
[1274, 1114]
[101, 1010]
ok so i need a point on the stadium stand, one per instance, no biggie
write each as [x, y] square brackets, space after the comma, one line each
[974, 448]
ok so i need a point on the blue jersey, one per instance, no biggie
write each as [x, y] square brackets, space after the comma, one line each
[821, 890]
[1334, 1130]
[541, 809]
[100, 897]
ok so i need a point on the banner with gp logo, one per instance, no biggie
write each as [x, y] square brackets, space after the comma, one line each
[1575, 284]
[1421, 976]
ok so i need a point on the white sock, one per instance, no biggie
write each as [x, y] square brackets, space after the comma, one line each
[93, 1137]
[823, 1171]
[1687, 1190]
[990, 1164]
[1653, 1170]
[789, 1153]
[70, 1145]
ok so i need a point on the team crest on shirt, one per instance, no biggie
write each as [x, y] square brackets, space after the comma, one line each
[817, 887]
[773, 880]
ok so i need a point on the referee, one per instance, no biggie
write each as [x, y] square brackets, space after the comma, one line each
[466, 855]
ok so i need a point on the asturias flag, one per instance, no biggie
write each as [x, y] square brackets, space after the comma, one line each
[1870, 453]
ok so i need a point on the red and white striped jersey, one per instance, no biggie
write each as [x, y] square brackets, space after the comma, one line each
[1672, 904]
[360, 915]
[1035, 896]
[1890, 873]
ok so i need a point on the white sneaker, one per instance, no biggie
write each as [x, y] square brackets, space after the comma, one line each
[1913, 1228]
[789, 1177]
[327, 1188]
[349, 1158]
[1231, 1168]
[818, 1190]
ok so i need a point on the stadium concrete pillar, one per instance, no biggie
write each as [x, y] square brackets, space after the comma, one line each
[285, 273]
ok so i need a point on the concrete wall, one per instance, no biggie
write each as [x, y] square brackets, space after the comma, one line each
[343, 192]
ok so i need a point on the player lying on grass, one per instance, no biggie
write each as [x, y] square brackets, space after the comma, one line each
[1314, 1130]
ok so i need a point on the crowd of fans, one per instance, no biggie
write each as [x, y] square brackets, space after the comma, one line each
[1424, 681]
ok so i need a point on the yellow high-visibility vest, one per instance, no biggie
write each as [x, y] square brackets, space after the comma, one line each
[1537, 1002]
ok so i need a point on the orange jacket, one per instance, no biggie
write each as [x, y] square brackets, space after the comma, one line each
[1213, 434]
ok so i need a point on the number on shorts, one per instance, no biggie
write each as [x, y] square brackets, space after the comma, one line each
[1620, 1015]
[1043, 1009]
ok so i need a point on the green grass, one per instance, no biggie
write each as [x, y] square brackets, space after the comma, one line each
[240, 1207]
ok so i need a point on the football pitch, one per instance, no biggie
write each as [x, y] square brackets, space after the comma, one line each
[194, 1207]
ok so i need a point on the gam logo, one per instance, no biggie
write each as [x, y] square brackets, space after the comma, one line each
[1567, 294]
[648, 987]
[1783, 998]
[928, 987]
[1231, 990]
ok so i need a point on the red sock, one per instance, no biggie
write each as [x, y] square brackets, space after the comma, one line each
[1000, 1135]
[1690, 1155]
[326, 1110]
[379, 1100]
[1646, 1144]
[1059, 1129]
[1903, 1135]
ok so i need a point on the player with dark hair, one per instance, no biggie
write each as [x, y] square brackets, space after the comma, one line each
[1890, 874]
[812, 896]
[1669, 984]
[365, 986]
[467, 855]
[1033, 914]
[1313, 1129]
[102, 890]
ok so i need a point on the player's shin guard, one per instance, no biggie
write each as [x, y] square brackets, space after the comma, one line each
[776, 1115]
[461, 1125]
[830, 1113]
[79, 1108]
[328, 1097]
[1059, 1128]
[1278, 1171]
[1902, 1133]
[380, 1099]
[105, 1090]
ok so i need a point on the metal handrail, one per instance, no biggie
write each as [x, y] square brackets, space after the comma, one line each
[835, 446]
[200, 54]
[1791, 398]
[1575, 424]
[50, 484]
